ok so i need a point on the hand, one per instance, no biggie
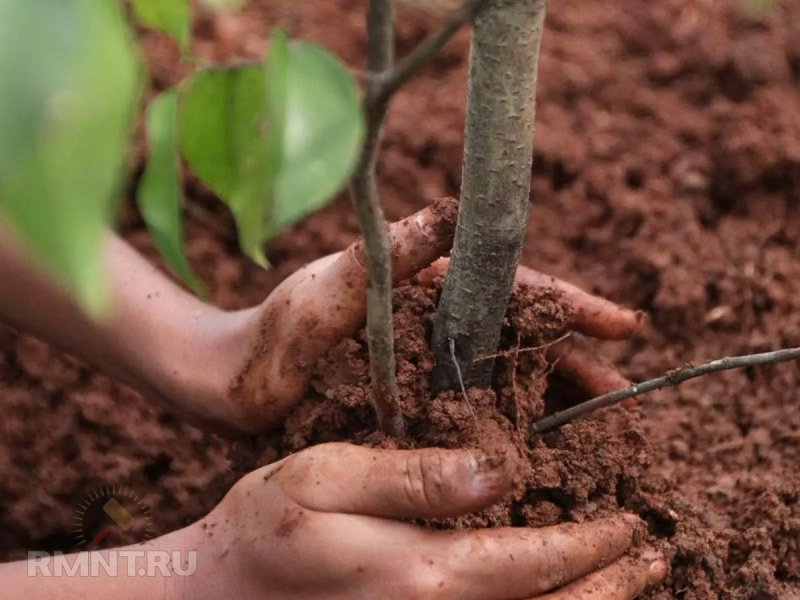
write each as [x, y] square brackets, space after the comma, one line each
[322, 524]
[244, 370]
[591, 315]
[326, 301]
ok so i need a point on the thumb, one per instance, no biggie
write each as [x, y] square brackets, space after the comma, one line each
[403, 484]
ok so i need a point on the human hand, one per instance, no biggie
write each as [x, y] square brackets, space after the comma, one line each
[326, 301]
[323, 524]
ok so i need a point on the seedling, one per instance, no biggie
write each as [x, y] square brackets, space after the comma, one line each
[275, 139]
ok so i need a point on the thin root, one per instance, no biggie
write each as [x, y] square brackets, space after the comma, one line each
[516, 351]
[452, 343]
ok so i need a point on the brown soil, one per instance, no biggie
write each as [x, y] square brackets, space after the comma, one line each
[666, 177]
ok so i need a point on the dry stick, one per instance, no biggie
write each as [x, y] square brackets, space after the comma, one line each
[461, 381]
[380, 86]
[673, 378]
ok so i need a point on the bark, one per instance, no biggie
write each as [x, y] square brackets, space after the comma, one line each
[495, 189]
[377, 248]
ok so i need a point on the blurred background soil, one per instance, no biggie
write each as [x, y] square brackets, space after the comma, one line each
[666, 177]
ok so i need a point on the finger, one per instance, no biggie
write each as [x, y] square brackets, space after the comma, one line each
[416, 242]
[623, 580]
[517, 563]
[592, 315]
[577, 361]
[337, 290]
[317, 306]
[427, 483]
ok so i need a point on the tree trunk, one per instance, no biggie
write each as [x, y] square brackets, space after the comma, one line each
[498, 153]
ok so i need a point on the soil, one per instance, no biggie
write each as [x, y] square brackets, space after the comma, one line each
[666, 178]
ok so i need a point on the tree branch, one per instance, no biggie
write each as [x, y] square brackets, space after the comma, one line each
[391, 81]
[377, 247]
[381, 84]
[673, 378]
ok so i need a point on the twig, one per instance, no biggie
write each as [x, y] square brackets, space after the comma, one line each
[518, 350]
[380, 84]
[673, 378]
[391, 81]
[377, 247]
[461, 381]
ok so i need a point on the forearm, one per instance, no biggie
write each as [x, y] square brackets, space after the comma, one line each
[167, 568]
[158, 338]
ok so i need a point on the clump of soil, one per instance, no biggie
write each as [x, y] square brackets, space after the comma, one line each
[584, 470]
[587, 469]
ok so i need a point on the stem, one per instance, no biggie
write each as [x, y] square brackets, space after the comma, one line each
[673, 378]
[425, 52]
[377, 247]
[381, 84]
[495, 192]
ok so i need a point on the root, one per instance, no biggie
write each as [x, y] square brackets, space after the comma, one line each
[452, 344]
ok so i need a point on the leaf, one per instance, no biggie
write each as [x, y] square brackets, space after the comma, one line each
[173, 17]
[159, 194]
[323, 133]
[252, 202]
[221, 123]
[275, 142]
[70, 83]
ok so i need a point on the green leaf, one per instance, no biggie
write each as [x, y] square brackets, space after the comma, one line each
[323, 133]
[275, 142]
[159, 193]
[221, 123]
[70, 82]
[173, 17]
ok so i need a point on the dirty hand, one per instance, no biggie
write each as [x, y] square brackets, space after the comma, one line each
[326, 301]
[244, 370]
[323, 524]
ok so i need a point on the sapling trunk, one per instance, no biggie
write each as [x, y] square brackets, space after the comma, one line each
[498, 152]
[382, 82]
[366, 200]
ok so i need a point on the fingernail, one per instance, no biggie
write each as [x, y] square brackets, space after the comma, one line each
[490, 473]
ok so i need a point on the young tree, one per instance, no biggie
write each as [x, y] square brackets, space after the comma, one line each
[495, 189]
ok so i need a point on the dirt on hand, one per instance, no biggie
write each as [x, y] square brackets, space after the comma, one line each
[666, 177]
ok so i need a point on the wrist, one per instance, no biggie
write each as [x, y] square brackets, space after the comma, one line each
[200, 363]
[196, 580]
[215, 555]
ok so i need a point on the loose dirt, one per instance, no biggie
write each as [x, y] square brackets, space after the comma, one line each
[666, 178]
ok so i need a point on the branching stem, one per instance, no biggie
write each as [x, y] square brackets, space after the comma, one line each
[393, 80]
[383, 81]
[673, 378]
